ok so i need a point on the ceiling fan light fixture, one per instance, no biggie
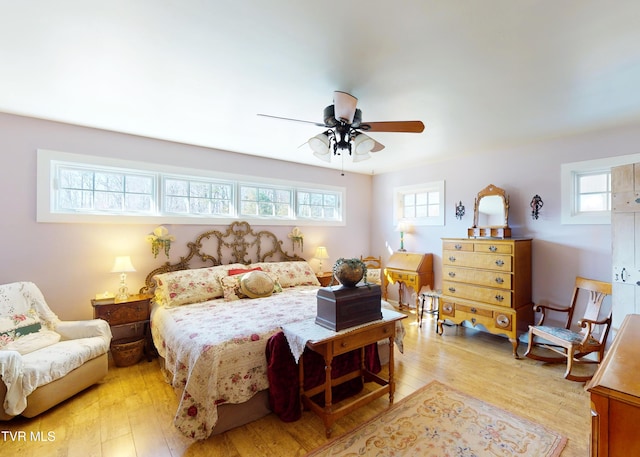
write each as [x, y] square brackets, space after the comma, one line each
[363, 144]
[344, 106]
[324, 156]
[319, 144]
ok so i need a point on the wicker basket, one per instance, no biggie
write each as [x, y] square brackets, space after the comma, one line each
[127, 352]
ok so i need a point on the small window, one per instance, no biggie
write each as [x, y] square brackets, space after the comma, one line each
[265, 201]
[421, 204]
[586, 189]
[197, 197]
[593, 192]
[318, 205]
[103, 190]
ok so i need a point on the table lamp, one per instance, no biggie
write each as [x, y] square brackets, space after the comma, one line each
[321, 254]
[122, 265]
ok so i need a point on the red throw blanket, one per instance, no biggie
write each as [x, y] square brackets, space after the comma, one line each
[284, 382]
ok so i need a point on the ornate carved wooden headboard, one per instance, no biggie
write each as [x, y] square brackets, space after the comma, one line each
[239, 243]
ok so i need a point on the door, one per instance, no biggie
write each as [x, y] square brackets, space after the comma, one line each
[625, 226]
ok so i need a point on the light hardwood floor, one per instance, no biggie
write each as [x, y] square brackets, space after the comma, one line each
[130, 413]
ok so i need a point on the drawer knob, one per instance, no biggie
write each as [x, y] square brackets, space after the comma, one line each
[452, 274]
[502, 321]
[474, 310]
[499, 280]
[458, 246]
[452, 290]
[447, 308]
[500, 263]
[343, 344]
[452, 259]
[473, 320]
[385, 330]
[499, 297]
[493, 248]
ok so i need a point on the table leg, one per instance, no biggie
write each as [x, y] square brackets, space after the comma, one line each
[328, 407]
[392, 382]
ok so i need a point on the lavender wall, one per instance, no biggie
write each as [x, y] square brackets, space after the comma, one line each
[560, 252]
[72, 262]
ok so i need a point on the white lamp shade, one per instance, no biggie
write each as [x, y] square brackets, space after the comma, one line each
[321, 253]
[319, 144]
[363, 144]
[122, 264]
[361, 157]
[403, 227]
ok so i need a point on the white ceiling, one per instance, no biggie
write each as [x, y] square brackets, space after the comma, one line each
[480, 74]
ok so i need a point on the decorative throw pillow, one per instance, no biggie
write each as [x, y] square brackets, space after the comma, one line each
[17, 326]
[373, 275]
[33, 342]
[191, 286]
[256, 284]
[293, 273]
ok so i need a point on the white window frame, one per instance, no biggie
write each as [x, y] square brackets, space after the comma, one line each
[398, 203]
[569, 173]
[46, 160]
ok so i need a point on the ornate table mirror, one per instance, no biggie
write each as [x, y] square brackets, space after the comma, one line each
[491, 214]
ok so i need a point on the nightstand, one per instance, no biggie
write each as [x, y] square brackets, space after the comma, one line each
[129, 320]
[324, 278]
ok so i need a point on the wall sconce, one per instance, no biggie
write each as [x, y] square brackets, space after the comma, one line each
[459, 210]
[160, 239]
[297, 238]
[123, 266]
[536, 204]
[321, 254]
[402, 227]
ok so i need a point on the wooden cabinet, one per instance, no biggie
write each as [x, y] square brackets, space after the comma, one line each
[487, 282]
[410, 270]
[615, 395]
[129, 319]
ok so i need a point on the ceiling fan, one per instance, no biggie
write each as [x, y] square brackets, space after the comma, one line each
[345, 130]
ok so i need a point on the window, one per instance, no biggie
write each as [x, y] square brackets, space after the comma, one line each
[593, 192]
[420, 205]
[319, 205]
[262, 201]
[79, 188]
[586, 189]
[197, 197]
[103, 190]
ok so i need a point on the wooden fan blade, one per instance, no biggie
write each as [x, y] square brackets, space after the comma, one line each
[393, 126]
[319, 124]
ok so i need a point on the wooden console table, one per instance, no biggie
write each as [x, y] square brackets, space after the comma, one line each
[615, 395]
[330, 344]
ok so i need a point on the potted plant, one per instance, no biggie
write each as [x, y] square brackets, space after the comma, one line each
[349, 271]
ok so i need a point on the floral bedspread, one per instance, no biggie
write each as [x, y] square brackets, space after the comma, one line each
[215, 351]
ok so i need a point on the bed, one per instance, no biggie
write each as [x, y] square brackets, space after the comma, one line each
[211, 325]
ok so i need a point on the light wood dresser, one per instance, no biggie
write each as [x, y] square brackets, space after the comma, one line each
[487, 282]
[615, 395]
[408, 269]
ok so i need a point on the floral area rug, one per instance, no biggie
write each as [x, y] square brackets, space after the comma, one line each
[439, 421]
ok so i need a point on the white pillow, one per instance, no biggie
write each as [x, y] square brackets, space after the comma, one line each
[33, 342]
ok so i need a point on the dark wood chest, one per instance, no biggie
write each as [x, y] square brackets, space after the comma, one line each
[342, 307]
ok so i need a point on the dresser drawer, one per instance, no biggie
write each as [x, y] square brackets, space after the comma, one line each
[498, 262]
[492, 320]
[410, 279]
[488, 295]
[357, 340]
[493, 248]
[480, 277]
[458, 246]
[123, 313]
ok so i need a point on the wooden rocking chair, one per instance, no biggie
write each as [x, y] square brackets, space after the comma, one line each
[572, 345]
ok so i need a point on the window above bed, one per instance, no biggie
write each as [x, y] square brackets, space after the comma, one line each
[81, 188]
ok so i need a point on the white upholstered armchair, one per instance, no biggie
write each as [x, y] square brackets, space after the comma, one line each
[44, 360]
